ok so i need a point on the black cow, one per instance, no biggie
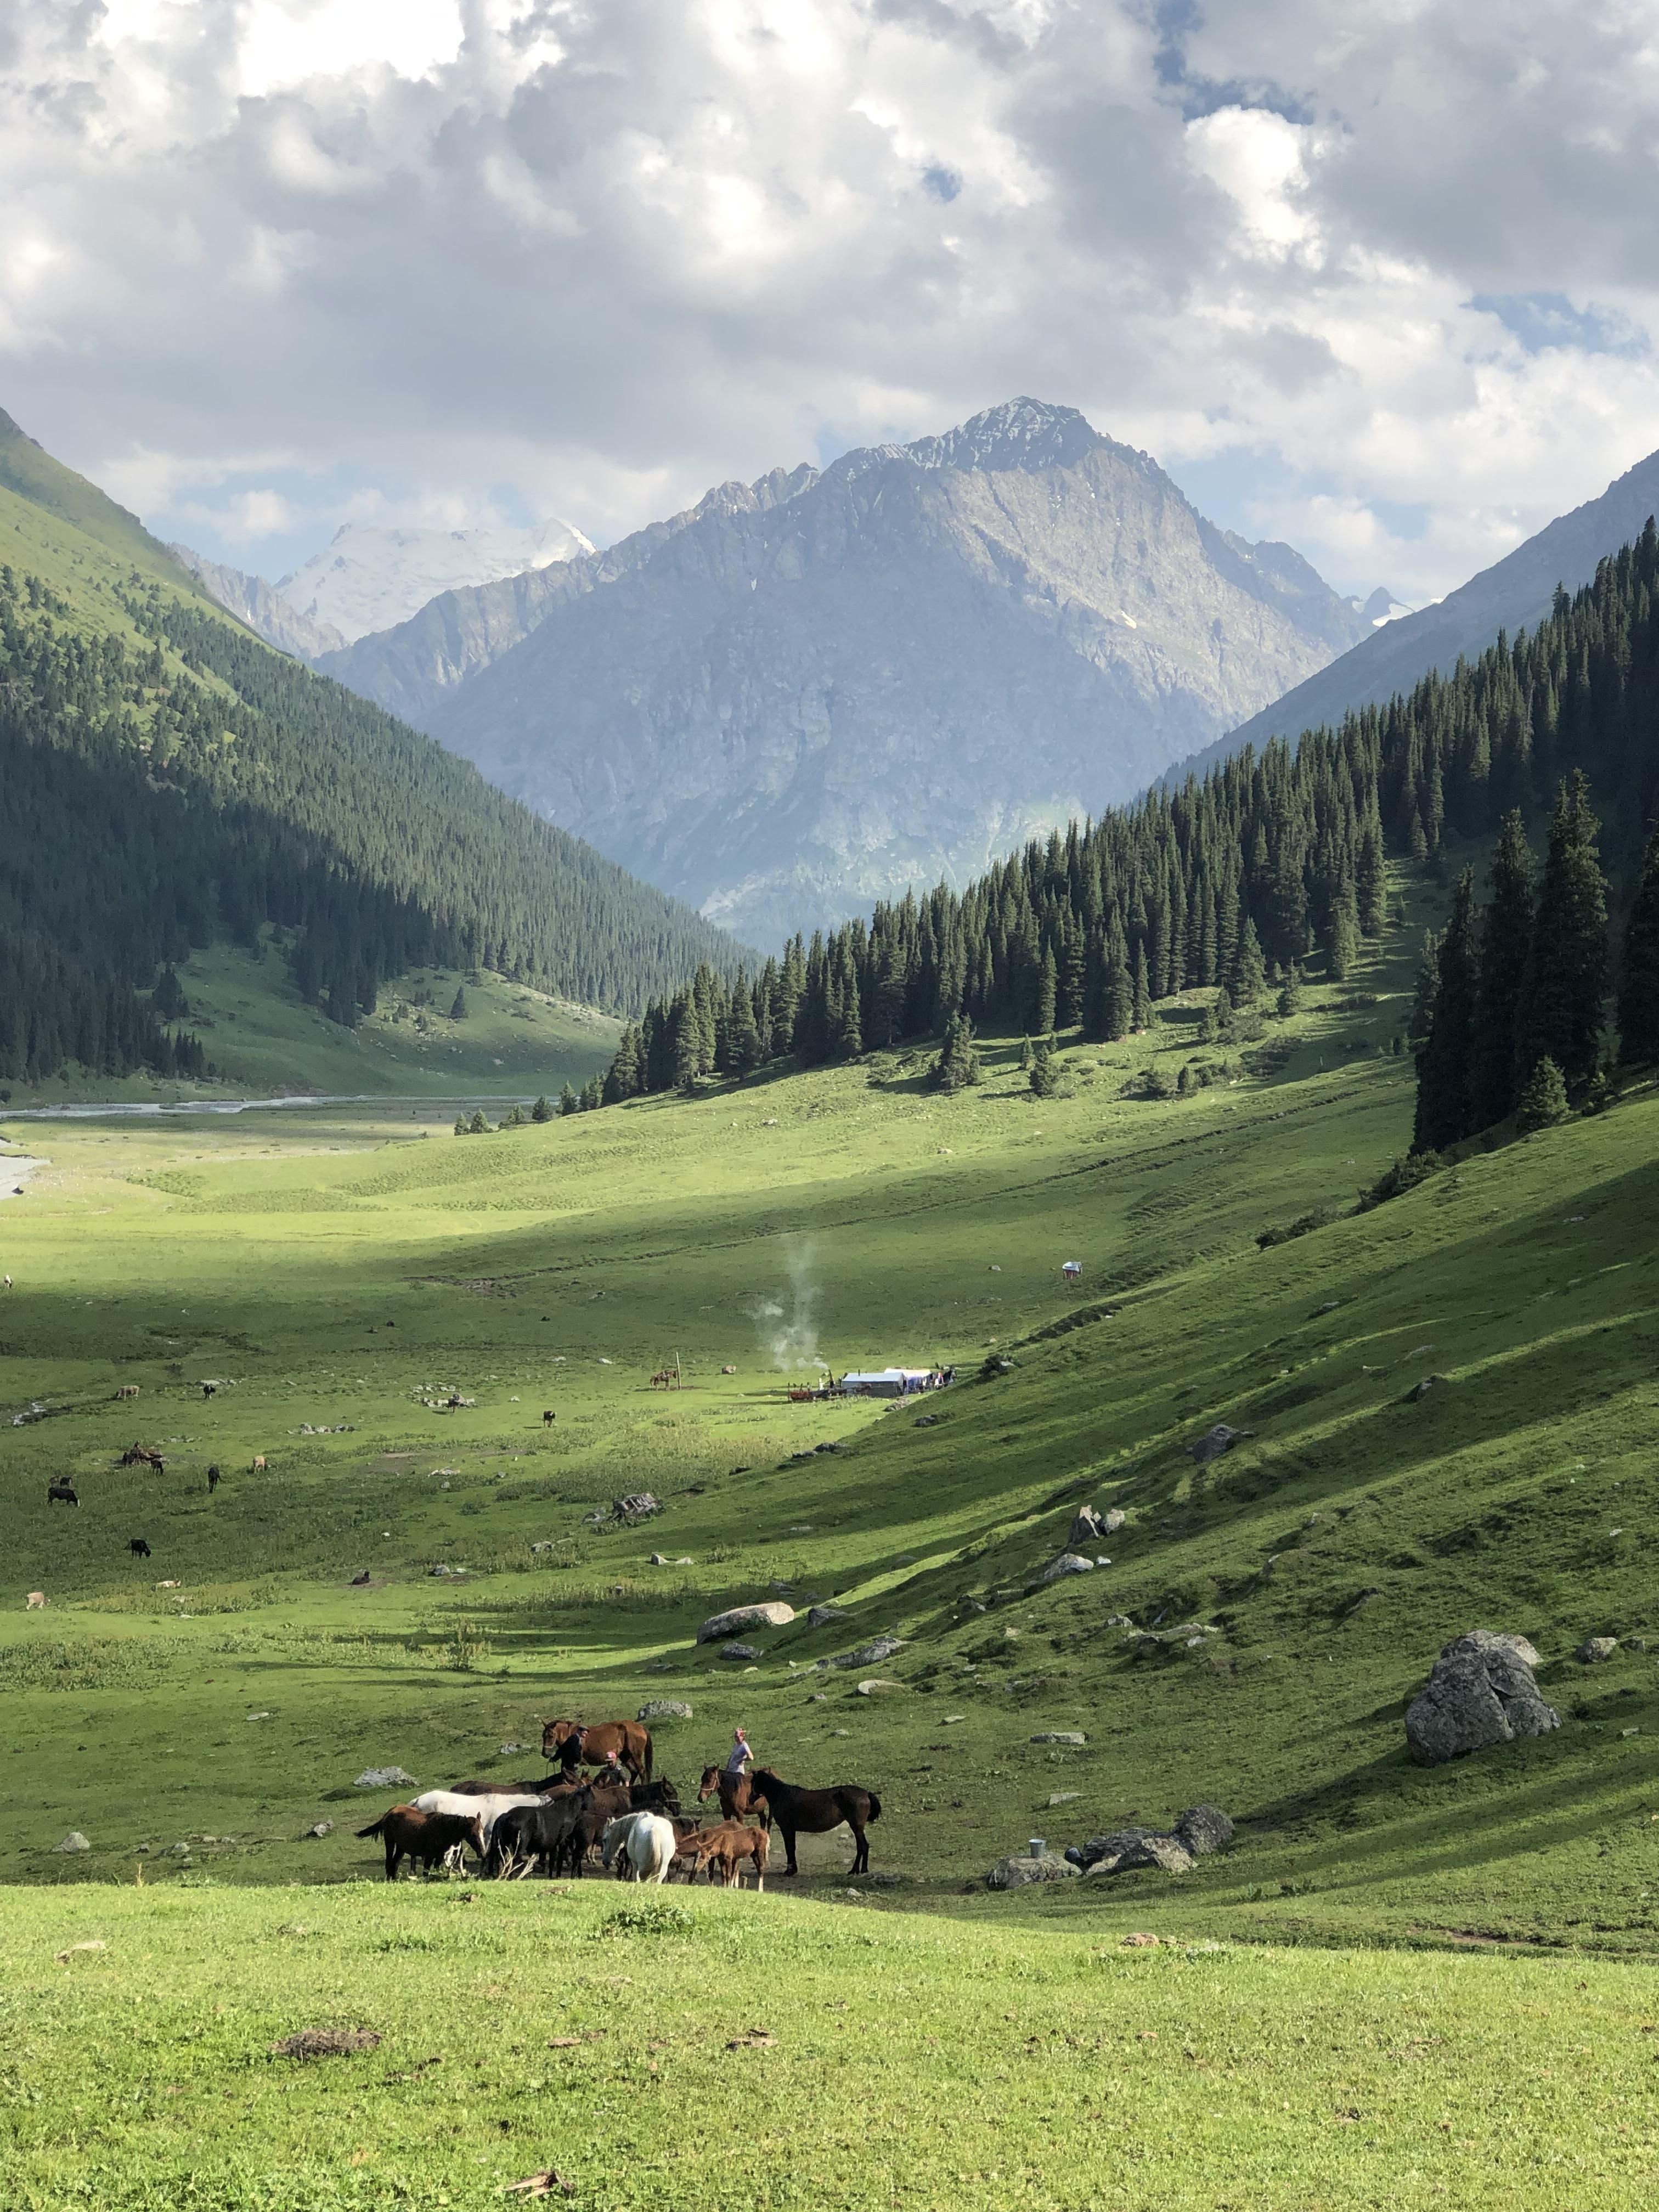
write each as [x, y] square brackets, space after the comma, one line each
[61, 1492]
[139, 1548]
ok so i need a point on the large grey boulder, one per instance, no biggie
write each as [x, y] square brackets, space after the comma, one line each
[1060, 1735]
[820, 1616]
[774, 1615]
[1480, 1691]
[74, 1841]
[1594, 1648]
[1068, 1563]
[1016, 1872]
[1216, 1442]
[381, 1777]
[736, 1650]
[1203, 1829]
[1134, 1847]
[664, 1709]
[875, 1653]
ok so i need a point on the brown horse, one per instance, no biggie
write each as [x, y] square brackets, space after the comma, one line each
[407, 1832]
[816, 1812]
[736, 1796]
[630, 1740]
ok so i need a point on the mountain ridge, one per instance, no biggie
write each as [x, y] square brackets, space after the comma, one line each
[824, 686]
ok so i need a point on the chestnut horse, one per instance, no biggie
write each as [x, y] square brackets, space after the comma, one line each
[736, 1796]
[630, 1740]
[816, 1812]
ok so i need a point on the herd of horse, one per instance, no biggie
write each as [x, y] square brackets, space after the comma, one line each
[631, 1819]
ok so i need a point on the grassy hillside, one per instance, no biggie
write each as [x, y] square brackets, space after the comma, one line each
[196, 1714]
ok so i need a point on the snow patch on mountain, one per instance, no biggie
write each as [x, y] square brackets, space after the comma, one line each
[368, 578]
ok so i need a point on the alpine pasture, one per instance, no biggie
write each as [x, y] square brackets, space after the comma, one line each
[1401, 1985]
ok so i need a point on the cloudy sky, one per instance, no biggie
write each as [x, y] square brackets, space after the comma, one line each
[1380, 279]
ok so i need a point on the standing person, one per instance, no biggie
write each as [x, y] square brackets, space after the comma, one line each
[738, 1759]
[570, 1753]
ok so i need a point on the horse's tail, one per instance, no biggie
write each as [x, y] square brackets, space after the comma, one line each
[375, 1828]
[647, 1754]
[875, 1805]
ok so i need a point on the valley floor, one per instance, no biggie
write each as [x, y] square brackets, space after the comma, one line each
[1426, 1985]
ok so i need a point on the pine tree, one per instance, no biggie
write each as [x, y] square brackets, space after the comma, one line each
[1638, 979]
[477, 1125]
[1501, 1015]
[457, 1009]
[1427, 990]
[1569, 975]
[1342, 935]
[1044, 1076]
[569, 1102]
[462, 1126]
[1250, 974]
[592, 1094]
[541, 1110]
[1047, 991]
[1543, 1101]
[1445, 1110]
[957, 1064]
[686, 1045]
[1141, 1005]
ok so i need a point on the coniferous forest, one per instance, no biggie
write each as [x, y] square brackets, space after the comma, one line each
[1273, 859]
[150, 808]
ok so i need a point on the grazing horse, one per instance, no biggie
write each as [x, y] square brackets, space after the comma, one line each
[736, 1796]
[213, 1480]
[722, 1850]
[61, 1492]
[139, 1548]
[142, 1455]
[630, 1740]
[407, 1832]
[816, 1812]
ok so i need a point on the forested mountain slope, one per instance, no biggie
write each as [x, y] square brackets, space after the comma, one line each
[1272, 857]
[1515, 593]
[166, 781]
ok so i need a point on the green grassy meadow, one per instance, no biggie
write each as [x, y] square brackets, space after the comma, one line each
[1426, 1985]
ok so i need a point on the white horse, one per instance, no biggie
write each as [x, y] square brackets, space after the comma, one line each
[489, 1808]
[646, 1840]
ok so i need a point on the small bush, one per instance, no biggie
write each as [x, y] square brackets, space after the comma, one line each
[1405, 1175]
[1300, 1227]
[646, 1916]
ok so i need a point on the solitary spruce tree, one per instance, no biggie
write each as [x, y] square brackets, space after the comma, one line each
[1638, 982]
[1543, 1103]
[1570, 940]
[1501, 1018]
[458, 1010]
[1445, 1111]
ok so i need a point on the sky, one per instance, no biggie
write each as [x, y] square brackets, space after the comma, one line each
[1379, 279]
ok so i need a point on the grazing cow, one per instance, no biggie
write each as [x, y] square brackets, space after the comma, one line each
[139, 1548]
[816, 1812]
[60, 1491]
[549, 1417]
[630, 1740]
[35, 1597]
[260, 1465]
[642, 1842]
[213, 1480]
[127, 1390]
[409, 1832]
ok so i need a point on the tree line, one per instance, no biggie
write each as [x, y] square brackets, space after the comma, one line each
[198, 785]
[1271, 859]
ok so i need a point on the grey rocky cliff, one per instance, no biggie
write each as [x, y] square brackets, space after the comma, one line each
[820, 689]
[261, 606]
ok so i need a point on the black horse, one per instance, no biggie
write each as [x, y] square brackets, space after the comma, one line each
[61, 1492]
[816, 1812]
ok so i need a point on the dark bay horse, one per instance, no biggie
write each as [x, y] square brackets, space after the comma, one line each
[629, 1740]
[736, 1796]
[816, 1812]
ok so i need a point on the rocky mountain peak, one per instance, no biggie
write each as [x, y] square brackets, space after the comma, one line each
[1020, 434]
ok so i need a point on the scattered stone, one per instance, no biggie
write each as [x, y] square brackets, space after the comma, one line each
[664, 1709]
[840, 1731]
[1060, 1735]
[883, 1880]
[1068, 1563]
[1203, 1829]
[819, 1698]
[1140, 1942]
[322, 1828]
[1480, 1691]
[326, 2043]
[1015, 1872]
[735, 1651]
[822, 1615]
[639, 1507]
[1063, 1797]
[1594, 1648]
[507, 1749]
[381, 1777]
[1419, 1391]
[774, 1615]
[74, 1841]
[91, 1943]
[658, 1560]
[926, 1421]
[868, 1689]
[1144, 1848]
[177, 1851]
[880, 1648]
[1329, 1306]
[259, 1716]
[1215, 1442]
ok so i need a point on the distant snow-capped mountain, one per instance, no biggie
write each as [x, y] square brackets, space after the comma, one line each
[369, 579]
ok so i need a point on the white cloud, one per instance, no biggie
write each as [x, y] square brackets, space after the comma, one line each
[269, 263]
